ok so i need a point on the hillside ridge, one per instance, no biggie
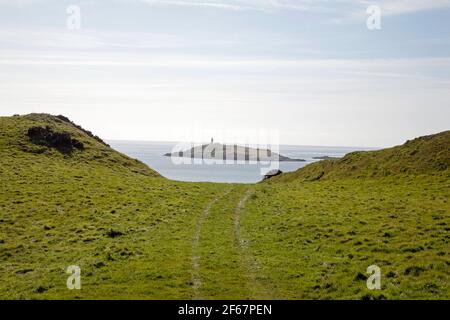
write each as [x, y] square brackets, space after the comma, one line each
[45, 135]
[422, 155]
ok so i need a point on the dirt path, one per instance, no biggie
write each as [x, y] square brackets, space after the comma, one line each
[196, 279]
[259, 281]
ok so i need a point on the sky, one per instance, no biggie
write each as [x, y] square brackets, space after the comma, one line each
[167, 70]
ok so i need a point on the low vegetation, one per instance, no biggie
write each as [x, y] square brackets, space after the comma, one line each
[135, 235]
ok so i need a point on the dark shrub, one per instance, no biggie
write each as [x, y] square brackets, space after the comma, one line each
[59, 140]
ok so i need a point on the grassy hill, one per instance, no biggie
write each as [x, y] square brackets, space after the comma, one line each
[420, 156]
[123, 224]
[66, 198]
[15, 144]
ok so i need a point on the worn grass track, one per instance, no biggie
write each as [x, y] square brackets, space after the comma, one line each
[261, 283]
[226, 269]
[196, 278]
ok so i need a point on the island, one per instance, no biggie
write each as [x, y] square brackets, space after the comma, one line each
[325, 158]
[234, 152]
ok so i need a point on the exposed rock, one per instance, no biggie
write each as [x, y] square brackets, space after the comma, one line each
[272, 173]
[40, 289]
[59, 140]
[113, 233]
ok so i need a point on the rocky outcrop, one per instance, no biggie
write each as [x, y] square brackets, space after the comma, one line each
[61, 141]
[272, 173]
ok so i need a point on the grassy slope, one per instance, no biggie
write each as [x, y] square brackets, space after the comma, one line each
[316, 239]
[419, 156]
[315, 231]
[55, 211]
[283, 239]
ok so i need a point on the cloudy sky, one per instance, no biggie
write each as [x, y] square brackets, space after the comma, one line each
[164, 69]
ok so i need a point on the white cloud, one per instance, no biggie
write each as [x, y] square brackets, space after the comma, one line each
[352, 7]
[390, 7]
[212, 4]
[94, 72]
[263, 5]
[19, 3]
[384, 101]
[55, 39]
[395, 7]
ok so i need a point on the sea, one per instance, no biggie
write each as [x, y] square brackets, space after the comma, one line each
[152, 154]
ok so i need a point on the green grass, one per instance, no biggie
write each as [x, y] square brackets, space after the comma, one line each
[286, 239]
[315, 240]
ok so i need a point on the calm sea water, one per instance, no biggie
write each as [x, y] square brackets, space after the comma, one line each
[152, 153]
